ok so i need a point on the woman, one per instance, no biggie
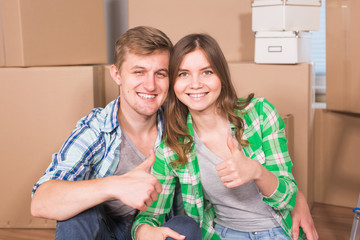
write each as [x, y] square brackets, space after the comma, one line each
[229, 155]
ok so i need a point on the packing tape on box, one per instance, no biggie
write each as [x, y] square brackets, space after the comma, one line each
[2, 39]
[346, 24]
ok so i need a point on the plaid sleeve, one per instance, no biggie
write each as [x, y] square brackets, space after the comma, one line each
[155, 214]
[277, 159]
[79, 151]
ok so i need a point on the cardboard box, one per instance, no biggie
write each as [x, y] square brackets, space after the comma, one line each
[40, 108]
[285, 47]
[48, 33]
[289, 89]
[111, 89]
[229, 22]
[342, 56]
[285, 15]
[337, 165]
[106, 88]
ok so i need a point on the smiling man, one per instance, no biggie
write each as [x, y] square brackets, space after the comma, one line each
[100, 177]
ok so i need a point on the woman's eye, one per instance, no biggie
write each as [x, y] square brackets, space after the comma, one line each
[208, 72]
[183, 74]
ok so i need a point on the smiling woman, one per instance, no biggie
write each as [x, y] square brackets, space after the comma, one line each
[229, 154]
[196, 85]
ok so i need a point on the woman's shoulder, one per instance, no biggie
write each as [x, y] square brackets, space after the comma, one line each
[257, 104]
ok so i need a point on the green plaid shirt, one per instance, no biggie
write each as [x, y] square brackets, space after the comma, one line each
[264, 129]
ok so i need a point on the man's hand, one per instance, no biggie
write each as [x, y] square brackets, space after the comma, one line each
[137, 188]
[301, 217]
[147, 232]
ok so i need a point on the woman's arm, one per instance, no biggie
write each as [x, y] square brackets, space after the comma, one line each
[272, 173]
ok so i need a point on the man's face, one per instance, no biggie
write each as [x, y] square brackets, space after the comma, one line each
[144, 82]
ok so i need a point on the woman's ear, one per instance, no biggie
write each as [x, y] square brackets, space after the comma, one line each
[114, 72]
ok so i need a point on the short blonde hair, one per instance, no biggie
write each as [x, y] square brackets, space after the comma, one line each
[141, 40]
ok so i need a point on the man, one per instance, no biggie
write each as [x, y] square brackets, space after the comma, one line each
[100, 176]
[101, 168]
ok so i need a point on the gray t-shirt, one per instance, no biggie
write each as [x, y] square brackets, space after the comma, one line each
[130, 157]
[239, 208]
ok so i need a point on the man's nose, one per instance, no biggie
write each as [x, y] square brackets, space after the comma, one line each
[149, 83]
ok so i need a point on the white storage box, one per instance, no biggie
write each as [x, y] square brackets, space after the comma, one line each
[285, 47]
[286, 15]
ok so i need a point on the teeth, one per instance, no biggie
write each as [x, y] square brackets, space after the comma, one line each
[146, 96]
[197, 95]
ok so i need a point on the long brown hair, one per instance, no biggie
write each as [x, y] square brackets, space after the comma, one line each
[176, 133]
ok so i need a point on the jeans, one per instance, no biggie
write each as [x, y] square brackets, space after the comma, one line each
[230, 234]
[95, 224]
[186, 226]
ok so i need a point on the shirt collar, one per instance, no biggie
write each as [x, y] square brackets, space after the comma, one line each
[111, 120]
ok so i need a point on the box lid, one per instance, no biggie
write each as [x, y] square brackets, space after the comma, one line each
[281, 34]
[262, 3]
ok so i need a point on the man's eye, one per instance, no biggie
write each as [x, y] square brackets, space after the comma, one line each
[183, 74]
[161, 75]
[138, 72]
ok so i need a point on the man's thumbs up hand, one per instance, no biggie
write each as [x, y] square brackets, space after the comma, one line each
[137, 188]
[147, 164]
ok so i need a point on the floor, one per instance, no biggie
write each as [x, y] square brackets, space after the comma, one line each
[332, 223]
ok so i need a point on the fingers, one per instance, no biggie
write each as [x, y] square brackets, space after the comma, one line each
[147, 164]
[171, 233]
[142, 207]
[295, 228]
[158, 187]
[226, 178]
[221, 166]
[316, 235]
[154, 196]
[310, 232]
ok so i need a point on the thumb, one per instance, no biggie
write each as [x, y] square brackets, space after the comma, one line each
[147, 164]
[231, 144]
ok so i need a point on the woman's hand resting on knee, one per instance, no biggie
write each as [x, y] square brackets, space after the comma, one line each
[147, 232]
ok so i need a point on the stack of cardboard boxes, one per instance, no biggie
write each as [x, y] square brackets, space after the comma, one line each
[51, 75]
[282, 30]
[288, 87]
[337, 128]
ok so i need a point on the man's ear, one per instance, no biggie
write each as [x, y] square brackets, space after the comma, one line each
[114, 72]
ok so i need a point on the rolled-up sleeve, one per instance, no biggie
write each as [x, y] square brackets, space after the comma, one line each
[277, 159]
[76, 156]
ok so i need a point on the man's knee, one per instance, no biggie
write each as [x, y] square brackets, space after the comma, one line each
[81, 226]
[186, 226]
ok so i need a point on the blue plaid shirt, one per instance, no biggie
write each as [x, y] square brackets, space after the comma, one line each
[93, 148]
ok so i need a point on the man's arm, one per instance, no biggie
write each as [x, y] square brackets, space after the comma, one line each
[301, 217]
[61, 200]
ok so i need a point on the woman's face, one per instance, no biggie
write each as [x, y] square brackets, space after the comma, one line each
[196, 85]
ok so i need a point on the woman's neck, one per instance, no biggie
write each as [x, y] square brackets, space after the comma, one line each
[205, 122]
